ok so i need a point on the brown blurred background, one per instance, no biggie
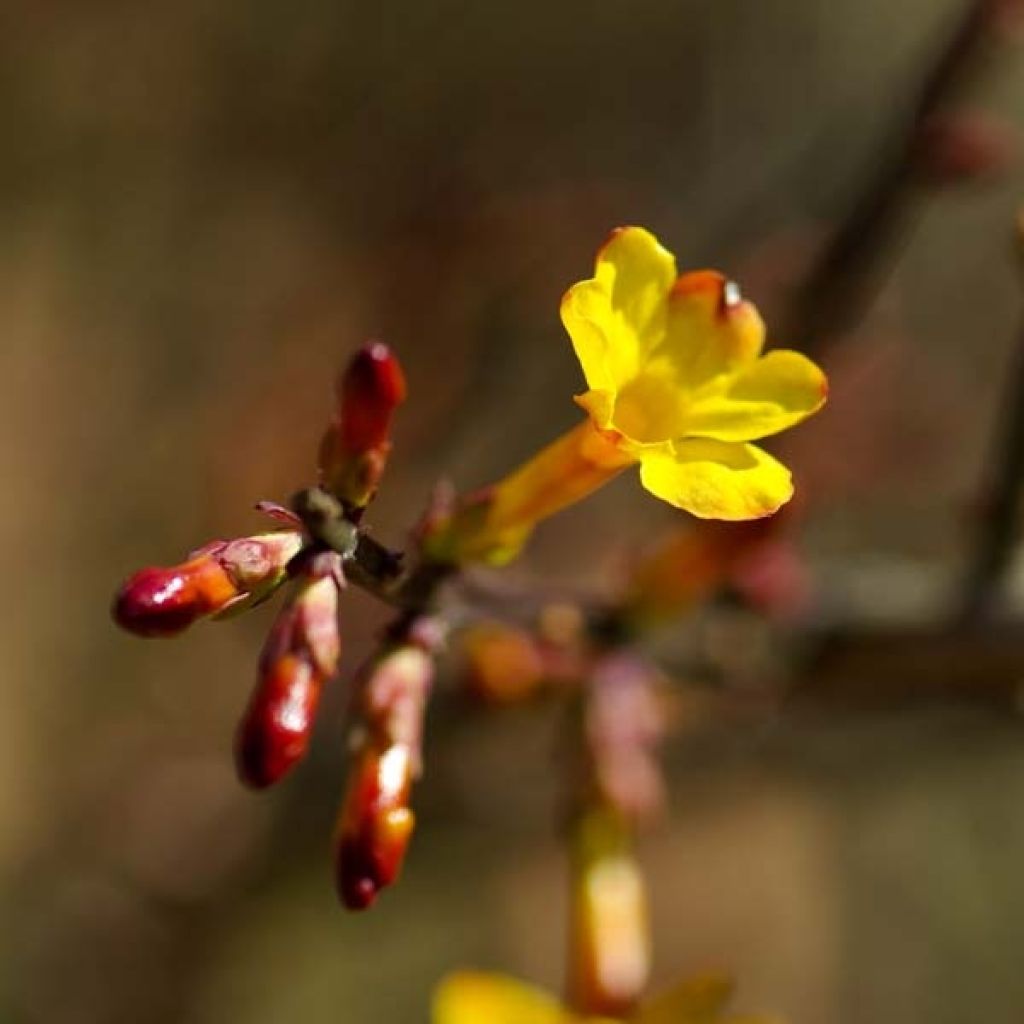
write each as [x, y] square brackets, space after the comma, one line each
[206, 206]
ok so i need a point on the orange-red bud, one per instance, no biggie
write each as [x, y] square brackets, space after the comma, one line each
[164, 601]
[376, 825]
[300, 653]
[376, 822]
[503, 664]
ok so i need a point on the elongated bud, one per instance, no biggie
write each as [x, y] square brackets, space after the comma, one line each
[300, 653]
[376, 822]
[370, 390]
[164, 601]
[609, 938]
[355, 448]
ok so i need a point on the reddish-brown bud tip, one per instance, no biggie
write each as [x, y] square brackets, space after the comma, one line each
[164, 601]
[274, 734]
[370, 389]
[356, 892]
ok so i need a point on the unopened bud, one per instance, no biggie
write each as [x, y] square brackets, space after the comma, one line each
[164, 601]
[301, 652]
[370, 390]
[376, 822]
[625, 723]
[963, 147]
[376, 825]
[355, 448]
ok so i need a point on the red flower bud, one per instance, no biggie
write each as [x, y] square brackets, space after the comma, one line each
[355, 448]
[376, 822]
[274, 734]
[375, 826]
[370, 390]
[300, 653]
[164, 601]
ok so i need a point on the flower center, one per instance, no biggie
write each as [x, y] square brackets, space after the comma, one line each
[649, 409]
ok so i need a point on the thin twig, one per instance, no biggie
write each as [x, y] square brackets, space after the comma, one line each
[850, 270]
[997, 532]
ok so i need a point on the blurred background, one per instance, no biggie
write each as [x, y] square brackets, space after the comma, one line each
[207, 206]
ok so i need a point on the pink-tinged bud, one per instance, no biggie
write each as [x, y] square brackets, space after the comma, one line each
[624, 725]
[300, 653]
[355, 448]
[775, 580]
[164, 601]
[963, 147]
[376, 822]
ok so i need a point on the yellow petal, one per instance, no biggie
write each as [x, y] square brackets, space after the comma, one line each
[710, 330]
[717, 479]
[760, 399]
[698, 1000]
[618, 315]
[470, 997]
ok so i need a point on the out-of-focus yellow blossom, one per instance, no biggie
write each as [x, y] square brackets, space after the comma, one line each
[609, 933]
[676, 382]
[469, 997]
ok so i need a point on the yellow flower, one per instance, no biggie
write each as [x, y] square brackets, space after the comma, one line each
[676, 376]
[676, 382]
[469, 997]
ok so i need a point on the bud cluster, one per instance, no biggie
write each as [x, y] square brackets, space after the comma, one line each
[320, 535]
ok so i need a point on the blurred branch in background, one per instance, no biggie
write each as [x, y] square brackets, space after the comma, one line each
[927, 146]
[998, 528]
